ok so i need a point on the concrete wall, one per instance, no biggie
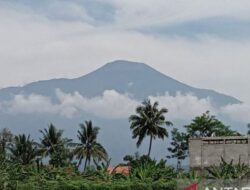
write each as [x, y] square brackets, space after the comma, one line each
[195, 153]
[205, 152]
[212, 154]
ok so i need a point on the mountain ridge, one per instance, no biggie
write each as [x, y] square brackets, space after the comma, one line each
[123, 76]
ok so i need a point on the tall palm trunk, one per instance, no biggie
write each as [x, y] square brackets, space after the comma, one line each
[150, 145]
[178, 165]
[80, 162]
[85, 164]
[89, 161]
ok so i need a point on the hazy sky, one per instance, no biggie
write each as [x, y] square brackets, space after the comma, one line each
[204, 43]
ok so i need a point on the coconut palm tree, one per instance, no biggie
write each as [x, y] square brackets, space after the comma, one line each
[23, 149]
[88, 147]
[52, 139]
[149, 121]
[53, 145]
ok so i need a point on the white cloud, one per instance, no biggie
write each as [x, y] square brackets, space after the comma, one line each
[110, 105]
[184, 107]
[113, 105]
[237, 112]
[28, 104]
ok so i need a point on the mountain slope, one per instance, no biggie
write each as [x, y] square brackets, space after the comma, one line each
[137, 79]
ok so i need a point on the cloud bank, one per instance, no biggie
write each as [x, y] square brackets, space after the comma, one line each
[237, 112]
[159, 12]
[110, 105]
[113, 105]
[184, 107]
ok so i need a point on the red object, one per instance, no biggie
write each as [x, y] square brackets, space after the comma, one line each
[192, 187]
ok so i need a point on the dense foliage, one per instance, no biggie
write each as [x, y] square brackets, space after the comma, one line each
[208, 125]
[179, 146]
[56, 162]
[148, 175]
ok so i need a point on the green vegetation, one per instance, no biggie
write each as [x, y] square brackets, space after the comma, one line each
[208, 125]
[89, 147]
[23, 150]
[85, 165]
[229, 170]
[54, 145]
[149, 121]
[179, 147]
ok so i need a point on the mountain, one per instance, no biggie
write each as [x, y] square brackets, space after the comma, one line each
[137, 79]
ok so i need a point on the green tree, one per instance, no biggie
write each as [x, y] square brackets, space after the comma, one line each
[23, 149]
[208, 125]
[179, 146]
[149, 121]
[88, 147]
[54, 145]
[5, 138]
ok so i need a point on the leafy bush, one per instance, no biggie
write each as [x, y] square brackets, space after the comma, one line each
[229, 170]
[83, 185]
[145, 169]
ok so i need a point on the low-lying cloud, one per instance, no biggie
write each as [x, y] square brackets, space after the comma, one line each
[110, 104]
[113, 105]
[237, 112]
[184, 107]
[32, 103]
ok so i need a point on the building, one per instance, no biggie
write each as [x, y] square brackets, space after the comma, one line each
[208, 151]
[119, 170]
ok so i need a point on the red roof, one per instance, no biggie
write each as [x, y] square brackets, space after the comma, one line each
[119, 170]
